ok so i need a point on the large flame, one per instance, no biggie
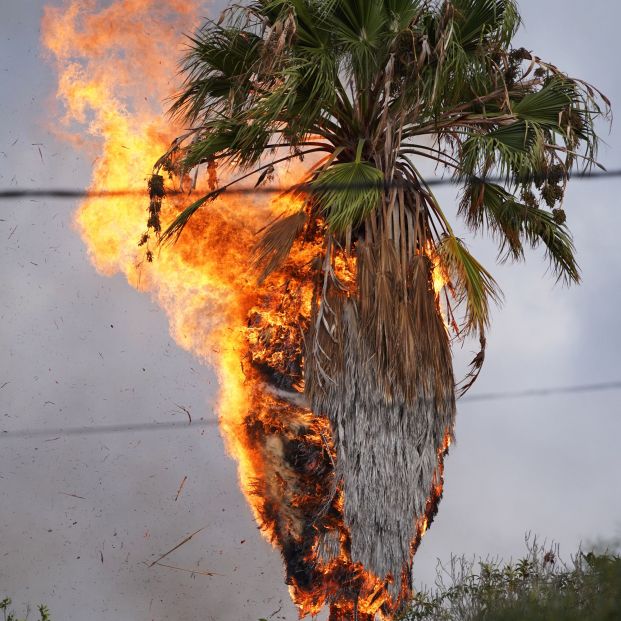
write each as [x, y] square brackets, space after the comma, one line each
[115, 65]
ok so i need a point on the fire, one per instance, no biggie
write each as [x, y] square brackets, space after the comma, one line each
[438, 275]
[114, 66]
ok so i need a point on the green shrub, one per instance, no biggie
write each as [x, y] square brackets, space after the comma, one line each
[538, 587]
[44, 613]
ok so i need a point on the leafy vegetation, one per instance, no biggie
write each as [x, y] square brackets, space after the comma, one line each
[538, 587]
[9, 615]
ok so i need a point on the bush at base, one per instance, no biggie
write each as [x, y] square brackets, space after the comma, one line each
[539, 587]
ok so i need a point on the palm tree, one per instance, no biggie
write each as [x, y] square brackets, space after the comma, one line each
[375, 89]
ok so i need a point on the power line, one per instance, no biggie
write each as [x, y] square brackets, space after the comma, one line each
[61, 193]
[543, 392]
[103, 429]
[54, 433]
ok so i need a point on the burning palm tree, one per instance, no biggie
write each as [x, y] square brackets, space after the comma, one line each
[364, 283]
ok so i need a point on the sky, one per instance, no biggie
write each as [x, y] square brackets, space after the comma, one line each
[82, 516]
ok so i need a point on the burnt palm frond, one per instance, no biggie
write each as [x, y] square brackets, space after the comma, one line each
[276, 241]
[175, 228]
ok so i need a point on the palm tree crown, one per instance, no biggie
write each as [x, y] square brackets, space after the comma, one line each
[376, 88]
[375, 85]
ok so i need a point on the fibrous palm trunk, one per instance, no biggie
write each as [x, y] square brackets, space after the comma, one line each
[379, 367]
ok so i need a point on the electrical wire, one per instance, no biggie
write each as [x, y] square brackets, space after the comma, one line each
[60, 193]
[43, 432]
[542, 392]
[54, 433]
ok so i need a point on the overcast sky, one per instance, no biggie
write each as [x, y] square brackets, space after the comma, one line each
[80, 515]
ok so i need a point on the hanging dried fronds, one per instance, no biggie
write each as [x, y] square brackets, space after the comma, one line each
[156, 194]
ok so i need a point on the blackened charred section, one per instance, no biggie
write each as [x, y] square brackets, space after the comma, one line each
[255, 429]
[308, 458]
[299, 572]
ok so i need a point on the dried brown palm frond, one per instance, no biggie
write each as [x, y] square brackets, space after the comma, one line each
[276, 241]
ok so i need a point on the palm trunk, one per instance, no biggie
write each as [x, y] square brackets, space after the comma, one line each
[389, 395]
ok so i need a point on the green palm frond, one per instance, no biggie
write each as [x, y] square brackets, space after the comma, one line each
[478, 19]
[217, 137]
[484, 204]
[218, 69]
[545, 106]
[540, 226]
[360, 29]
[515, 223]
[347, 193]
[473, 284]
[517, 137]
[310, 80]
[401, 13]
[510, 149]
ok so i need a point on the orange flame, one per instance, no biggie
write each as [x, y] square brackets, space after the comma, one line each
[114, 68]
